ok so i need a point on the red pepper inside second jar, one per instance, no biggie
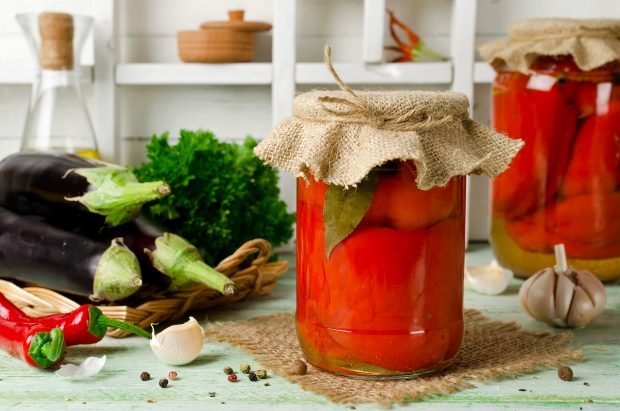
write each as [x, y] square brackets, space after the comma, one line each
[388, 302]
[562, 187]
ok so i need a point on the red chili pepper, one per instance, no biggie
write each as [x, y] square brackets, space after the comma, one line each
[84, 325]
[595, 165]
[563, 222]
[38, 345]
[547, 123]
[413, 50]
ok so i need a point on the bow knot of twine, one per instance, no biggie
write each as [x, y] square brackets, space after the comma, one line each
[359, 111]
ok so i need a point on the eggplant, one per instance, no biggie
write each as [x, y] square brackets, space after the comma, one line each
[36, 252]
[67, 189]
[170, 255]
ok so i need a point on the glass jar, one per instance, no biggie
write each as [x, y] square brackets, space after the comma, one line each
[563, 185]
[388, 301]
[57, 119]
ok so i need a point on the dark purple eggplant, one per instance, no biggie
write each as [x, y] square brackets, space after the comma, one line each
[170, 255]
[36, 252]
[69, 190]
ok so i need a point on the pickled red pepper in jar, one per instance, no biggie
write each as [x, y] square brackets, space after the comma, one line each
[563, 186]
[380, 224]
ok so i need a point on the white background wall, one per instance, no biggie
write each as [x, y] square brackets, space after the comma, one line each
[148, 34]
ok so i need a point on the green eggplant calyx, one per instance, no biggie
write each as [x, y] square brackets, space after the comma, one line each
[118, 273]
[181, 261]
[117, 194]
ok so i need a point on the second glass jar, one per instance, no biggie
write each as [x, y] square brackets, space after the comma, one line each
[563, 187]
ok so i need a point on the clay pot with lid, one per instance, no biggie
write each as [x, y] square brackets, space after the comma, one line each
[229, 41]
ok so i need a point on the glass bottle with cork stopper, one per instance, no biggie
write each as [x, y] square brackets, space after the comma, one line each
[57, 119]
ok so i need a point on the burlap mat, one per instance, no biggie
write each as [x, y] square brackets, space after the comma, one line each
[491, 350]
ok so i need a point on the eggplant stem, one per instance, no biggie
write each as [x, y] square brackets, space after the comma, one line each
[200, 272]
[178, 259]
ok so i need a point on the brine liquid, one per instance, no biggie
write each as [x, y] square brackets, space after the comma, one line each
[388, 301]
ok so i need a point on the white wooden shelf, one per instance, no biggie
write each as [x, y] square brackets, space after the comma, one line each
[193, 73]
[390, 73]
[483, 73]
[24, 74]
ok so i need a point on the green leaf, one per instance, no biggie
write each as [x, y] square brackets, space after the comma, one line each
[345, 208]
[222, 194]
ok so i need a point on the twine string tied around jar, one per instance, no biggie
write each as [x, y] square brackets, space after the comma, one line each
[359, 111]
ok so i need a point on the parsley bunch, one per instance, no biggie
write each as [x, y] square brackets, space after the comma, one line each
[222, 195]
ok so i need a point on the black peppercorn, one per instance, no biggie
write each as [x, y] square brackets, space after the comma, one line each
[252, 376]
[163, 383]
[145, 376]
[565, 373]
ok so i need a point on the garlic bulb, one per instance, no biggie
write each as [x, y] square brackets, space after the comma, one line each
[179, 344]
[563, 297]
[489, 279]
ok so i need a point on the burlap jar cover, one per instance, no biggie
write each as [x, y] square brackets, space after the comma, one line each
[591, 43]
[340, 136]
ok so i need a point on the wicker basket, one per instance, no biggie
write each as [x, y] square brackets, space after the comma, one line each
[247, 267]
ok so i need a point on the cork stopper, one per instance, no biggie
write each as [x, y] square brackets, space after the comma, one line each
[56, 31]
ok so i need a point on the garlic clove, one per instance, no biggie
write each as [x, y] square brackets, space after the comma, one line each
[491, 279]
[539, 298]
[564, 290]
[88, 368]
[525, 289]
[594, 288]
[179, 344]
[581, 310]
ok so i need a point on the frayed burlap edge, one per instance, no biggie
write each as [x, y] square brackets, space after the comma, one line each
[491, 350]
[591, 43]
[338, 137]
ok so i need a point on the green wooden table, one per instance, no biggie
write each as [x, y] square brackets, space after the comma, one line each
[118, 386]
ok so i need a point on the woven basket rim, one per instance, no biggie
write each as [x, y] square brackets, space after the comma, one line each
[256, 278]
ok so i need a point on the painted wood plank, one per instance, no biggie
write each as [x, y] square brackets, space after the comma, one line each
[284, 52]
[119, 386]
[391, 73]
[462, 35]
[373, 29]
[228, 111]
[483, 73]
[105, 101]
[194, 73]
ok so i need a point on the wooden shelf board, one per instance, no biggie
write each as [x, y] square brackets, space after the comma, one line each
[193, 73]
[389, 73]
